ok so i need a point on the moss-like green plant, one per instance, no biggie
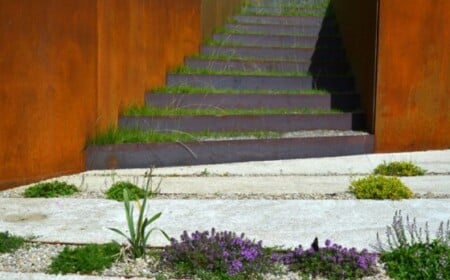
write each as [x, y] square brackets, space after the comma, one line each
[380, 187]
[399, 168]
[116, 191]
[50, 189]
[86, 259]
[9, 243]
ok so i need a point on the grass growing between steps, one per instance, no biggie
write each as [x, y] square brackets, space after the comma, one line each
[205, 71]
[182, 111]
[290, 3]
[224, 30]
[186, 89]
[124, 136]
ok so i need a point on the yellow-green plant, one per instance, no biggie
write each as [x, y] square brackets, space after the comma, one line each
[380, 187]
[399, 168]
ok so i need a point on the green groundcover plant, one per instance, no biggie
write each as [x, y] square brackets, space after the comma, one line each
[85, 259]
[380, 187]
[9, 243]
[115, 192]
[399, 168]
[409, 254]
[50, 189]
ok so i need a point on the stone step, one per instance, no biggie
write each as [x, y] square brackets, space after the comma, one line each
[293, 54]
[319, 68]
[278, 123]
[210, 152]
[261, 82]
[277, 29]
[285, 20]
[343, 101]
[277, 40]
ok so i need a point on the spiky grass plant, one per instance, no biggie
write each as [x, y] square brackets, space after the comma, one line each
[9, 243]
[139, 233]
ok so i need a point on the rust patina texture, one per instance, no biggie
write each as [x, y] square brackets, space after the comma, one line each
[413, 104]
[68, 67]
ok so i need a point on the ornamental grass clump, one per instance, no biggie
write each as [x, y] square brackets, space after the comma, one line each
[380, 187]
[220, 254]
[399, 168]
[332, 261]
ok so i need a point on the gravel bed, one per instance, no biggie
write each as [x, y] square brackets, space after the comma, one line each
[16, 193]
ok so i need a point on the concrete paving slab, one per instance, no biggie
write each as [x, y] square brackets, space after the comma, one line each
[276, 222]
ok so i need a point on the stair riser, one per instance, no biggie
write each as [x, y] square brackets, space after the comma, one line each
[280, 123]
[316, 68]
[281, 11]
[296, 30]
[291, 54]
[278, 41]
[259, 82]
[303, 21]
[174, 154]
[252, 101]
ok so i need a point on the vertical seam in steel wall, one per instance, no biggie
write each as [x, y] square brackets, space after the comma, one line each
[375, 66]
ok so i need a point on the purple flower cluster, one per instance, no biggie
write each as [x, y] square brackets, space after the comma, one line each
[332, 261]
[222, 252]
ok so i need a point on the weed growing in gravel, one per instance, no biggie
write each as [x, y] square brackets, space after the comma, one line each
[85, 259]
[410, 255]
[399, 168]
[380, 187]
[217, 255]
[50, 189]
[139, 234]
[9, 243]
[332, 261]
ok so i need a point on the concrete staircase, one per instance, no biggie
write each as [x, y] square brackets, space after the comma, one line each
[277, 67]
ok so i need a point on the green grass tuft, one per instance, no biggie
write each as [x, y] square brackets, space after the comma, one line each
[399, 168]
[115, 192]
[124, 136]
[50, 189]
[10, 243]
[182, 111]
[85, 259]
[209, 90]
[206, 71]
[380, 187]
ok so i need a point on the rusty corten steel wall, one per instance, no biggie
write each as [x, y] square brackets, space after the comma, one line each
[48, 73]
[413, 91]
[67, 67]
[357, 24]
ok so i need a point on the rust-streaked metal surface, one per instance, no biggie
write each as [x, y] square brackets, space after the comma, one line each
[413, 92]
[210, 152]
[68, 68]
[281, 123]
[343, 101]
